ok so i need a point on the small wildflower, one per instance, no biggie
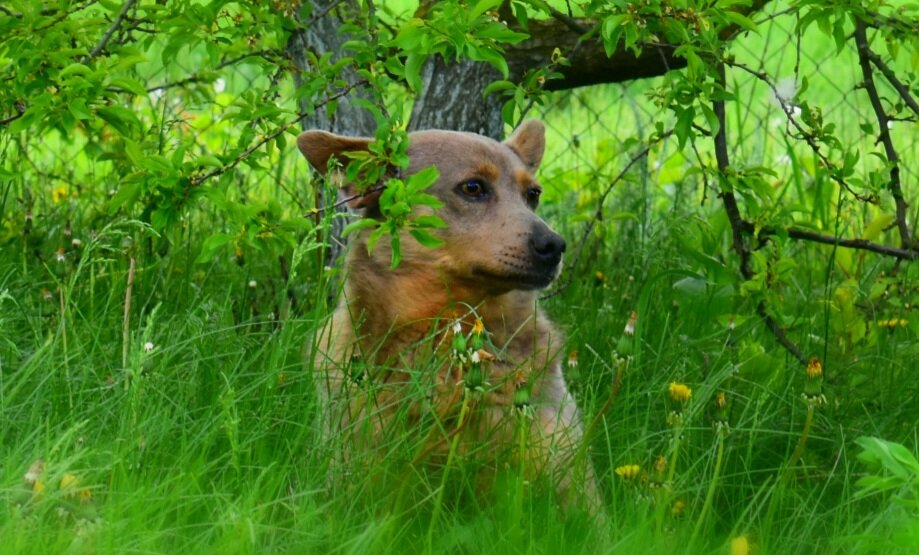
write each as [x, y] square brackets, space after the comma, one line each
[679, 507]
[282, 379]
[59, 194]
[253, 284]
[76, 243]
[628, 471]
[475, 358]
[660, 464]
[600, 277]
[721, 400]
[148, 346]
[457, 328]
[60, 255]
[679, 392]
[478, 327]
[630, 325]
[731, 323]
[35, 471]
[69, 484]
[38, 487]
[814, 368]
[86, 495]
[573, 359]
[46, 294]
[740, 546]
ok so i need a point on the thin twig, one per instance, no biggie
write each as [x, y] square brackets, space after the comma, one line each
[892, 79]
[861, 40]
[111, 31]
[858, 244]
[346, 200]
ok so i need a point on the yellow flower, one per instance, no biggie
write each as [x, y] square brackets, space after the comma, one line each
[68, 481]
[38, 487]
[814, 368]
[600, 277]
[86, 496]
[630, 325]
[478, 327]
[660, 464]
[721, 400]
[58, 194]
[740, 546]
[628, 471]
[678, 507]
[679, 392]
[573, 359]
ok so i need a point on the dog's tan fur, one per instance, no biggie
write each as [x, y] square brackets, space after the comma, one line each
[399, 321]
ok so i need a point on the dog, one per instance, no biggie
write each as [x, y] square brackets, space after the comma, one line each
[452, 336]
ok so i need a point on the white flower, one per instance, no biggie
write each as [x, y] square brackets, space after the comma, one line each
[148, 346]
[220, 85]
[785, 90]
[457, 328]
[76, 243]
[252, 284]
[475, 357]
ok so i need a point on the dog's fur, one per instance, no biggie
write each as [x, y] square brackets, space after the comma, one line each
[497, 254]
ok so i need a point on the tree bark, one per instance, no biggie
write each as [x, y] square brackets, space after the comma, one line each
[452, 98]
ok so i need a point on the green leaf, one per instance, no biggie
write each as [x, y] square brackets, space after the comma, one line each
[123, 120]
[396, 247]
[413, 65]
[429, 221]
[211, 247]
[363, 223]
[483, 6]
[683, 127]
[425, 238]
[741, 21]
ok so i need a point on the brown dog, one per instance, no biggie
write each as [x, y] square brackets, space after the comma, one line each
[389, 357]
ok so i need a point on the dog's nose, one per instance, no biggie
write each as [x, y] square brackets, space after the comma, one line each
[547, 247]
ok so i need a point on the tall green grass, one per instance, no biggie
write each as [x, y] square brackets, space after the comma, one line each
[191, 423]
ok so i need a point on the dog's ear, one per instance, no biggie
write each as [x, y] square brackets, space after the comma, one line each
[319, 147]
[529, 142]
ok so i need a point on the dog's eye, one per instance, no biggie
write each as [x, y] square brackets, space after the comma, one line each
[532, 196]
[473, 189]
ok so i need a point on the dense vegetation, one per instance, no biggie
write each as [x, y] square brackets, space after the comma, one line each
[164, 252]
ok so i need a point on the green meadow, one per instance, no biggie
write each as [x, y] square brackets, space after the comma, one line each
[155, 396]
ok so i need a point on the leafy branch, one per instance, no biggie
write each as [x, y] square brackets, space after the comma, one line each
[864, 55]
[195, 181]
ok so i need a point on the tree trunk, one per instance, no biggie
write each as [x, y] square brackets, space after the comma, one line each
[451, 98]
[320, 34]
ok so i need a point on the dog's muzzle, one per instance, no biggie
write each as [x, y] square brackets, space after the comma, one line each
[546, 248]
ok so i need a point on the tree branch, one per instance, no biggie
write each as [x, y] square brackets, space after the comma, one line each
[864, 51]
[813, 236]
[111, 31]
[737, 222]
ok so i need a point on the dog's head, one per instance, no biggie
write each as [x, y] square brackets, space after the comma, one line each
[494, 240]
